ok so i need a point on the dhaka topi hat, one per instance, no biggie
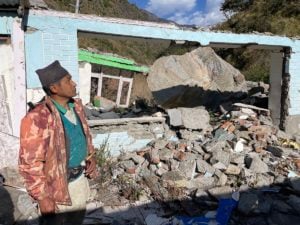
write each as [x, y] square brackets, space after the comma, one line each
[51, 73]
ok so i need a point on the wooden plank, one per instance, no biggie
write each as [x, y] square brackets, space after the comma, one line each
[146, 119]
[242, 105]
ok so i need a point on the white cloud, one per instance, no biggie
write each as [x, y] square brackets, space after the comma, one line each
[209, 16]
[166, 7]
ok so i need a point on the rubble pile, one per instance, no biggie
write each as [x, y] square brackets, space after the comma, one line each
[242, 152]
[231, 166]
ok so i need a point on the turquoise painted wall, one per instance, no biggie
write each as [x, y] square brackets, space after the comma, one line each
[56, 38]
[6, 20]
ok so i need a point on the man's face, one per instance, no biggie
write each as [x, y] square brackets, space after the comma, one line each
[66, 87]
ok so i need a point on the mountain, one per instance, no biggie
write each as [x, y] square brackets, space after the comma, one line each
[279, 17]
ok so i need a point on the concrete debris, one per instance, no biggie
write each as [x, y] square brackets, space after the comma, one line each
[193, 164]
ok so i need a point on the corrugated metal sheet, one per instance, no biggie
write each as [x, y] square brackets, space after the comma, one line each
[9, 2]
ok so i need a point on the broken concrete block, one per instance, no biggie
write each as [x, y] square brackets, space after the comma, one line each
[221, 192]
[175, 117]
[254, 163]
[220, 156]
[202, 183]
[165, 154]
[233, 170]
[188, 168]
[190, 118]
[203, 167]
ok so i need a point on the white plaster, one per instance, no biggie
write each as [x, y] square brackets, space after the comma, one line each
[9, 150]
[19, 81]
[118, 142]
[84, 87]
[6, 73]
[34, 95]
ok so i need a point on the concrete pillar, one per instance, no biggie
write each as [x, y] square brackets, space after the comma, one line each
[19, 83]
[275, 86]
[84, 86]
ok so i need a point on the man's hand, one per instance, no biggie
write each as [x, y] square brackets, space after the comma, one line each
[91, 171]
[47, 206]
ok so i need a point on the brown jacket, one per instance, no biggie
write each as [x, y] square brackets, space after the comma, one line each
[43, 154]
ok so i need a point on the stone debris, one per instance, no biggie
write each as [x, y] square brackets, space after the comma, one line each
[208, 157]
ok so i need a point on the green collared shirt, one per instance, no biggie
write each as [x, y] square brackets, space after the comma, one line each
[75, 138]
[69, 114]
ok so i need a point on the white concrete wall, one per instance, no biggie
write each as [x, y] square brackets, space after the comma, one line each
[6, 73]
[84, 86]
[9, 145]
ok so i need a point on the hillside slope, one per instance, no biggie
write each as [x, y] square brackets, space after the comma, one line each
[280, 17]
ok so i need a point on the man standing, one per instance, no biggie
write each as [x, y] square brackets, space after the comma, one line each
[56, 152]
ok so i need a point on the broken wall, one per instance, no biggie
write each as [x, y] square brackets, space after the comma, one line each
[54, 35]
[128, 136]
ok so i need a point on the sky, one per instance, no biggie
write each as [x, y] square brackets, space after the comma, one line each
[192, 12]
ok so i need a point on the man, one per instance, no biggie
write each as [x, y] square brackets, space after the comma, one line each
[56, 152]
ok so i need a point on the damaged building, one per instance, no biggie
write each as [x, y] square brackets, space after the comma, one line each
[244, 149]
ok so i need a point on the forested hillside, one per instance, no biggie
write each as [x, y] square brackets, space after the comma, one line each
[280, 17]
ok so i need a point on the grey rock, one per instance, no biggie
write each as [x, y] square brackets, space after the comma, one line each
[186, 80]
[165, 154]
[255, 164]
[188, 168]
[191, 118]
[276, 151]
[219, 166]
[192, 135]
[152, 168]
[201, 196]
[248, 203]
[198, 149]
[192, 156]
[215, 146]
[127, 164]
[203, 167]
[173, 176]
[237, 159]
[109, 115]
[174, 164]
[221, 156]
[138, 159]
[160, 143]
[223, 135]
[233, 170]
[175, 117]
[221, 192]
[263, 180]
[222, 178]
[202, 183]
[160, 171]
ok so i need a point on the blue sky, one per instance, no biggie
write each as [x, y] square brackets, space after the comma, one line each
[198, 12]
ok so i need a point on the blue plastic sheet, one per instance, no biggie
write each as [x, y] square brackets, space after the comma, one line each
[225, 208]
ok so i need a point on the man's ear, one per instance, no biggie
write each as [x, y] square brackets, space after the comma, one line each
[53, 89]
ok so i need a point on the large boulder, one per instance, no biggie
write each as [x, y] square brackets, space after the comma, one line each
[196, 78]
